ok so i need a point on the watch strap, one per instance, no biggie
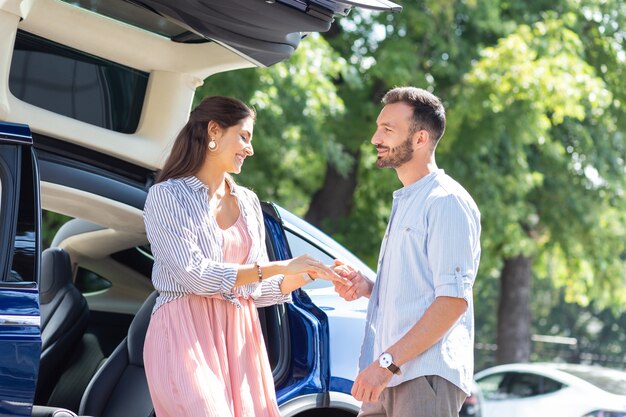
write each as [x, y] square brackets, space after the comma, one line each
[394, 368]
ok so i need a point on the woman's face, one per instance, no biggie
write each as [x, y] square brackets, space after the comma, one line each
[234, 145]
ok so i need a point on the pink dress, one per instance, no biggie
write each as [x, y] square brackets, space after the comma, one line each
[204, 357]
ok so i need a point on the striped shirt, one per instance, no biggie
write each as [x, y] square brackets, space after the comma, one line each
[186, 242]
[431, 248]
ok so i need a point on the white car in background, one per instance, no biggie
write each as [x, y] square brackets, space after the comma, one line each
[552, 389]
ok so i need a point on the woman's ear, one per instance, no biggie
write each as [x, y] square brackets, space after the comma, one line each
[214, 130]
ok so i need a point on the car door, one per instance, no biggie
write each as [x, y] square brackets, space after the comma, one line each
[20, 335]
[299, 357]
[332, 345]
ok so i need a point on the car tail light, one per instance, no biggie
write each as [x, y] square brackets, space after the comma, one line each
[471, 399]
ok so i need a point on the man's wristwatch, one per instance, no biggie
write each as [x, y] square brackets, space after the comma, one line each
[385, 360]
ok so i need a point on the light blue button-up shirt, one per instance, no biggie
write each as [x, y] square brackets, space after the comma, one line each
[431, 248]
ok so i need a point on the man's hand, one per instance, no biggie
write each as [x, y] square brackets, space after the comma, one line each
[370, 383]
[360, 285]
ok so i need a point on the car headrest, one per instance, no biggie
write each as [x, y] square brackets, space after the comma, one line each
[56, 273]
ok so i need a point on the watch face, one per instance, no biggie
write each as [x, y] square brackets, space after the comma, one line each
[385, 360]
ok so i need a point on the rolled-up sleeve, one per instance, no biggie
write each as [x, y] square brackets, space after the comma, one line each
[452, 245]
[270, 293]
[173, 239]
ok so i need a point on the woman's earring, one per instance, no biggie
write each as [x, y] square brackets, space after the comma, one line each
[212, 144]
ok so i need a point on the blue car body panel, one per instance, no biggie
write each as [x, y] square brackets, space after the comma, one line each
[20, 335]
[20, 347]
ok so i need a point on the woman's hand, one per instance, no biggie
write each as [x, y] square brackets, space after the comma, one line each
[309, 265]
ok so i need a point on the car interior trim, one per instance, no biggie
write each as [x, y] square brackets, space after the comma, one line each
[12, 320]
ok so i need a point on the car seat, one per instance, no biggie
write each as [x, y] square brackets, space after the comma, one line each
[64, 317]
[120, 388]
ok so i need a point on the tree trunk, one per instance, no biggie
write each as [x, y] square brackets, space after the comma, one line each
[334, 200]
[514, 342]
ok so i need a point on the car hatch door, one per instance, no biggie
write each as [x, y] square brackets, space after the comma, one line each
[20, 217]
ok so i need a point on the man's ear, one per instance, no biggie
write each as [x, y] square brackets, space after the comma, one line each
[421, 137]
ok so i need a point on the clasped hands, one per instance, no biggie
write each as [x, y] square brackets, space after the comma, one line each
[316, 269]
[354, 285]
[349, 283]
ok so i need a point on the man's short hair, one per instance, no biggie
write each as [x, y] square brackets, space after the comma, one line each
[428, 111]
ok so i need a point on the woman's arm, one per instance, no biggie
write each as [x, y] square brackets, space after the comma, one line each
[294, 270]
[293, 282]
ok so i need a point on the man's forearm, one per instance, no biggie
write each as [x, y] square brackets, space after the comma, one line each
[437, 320]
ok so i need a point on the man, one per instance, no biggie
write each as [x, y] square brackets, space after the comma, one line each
[417, 356]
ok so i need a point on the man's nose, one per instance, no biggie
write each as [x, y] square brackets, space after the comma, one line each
[376, 139]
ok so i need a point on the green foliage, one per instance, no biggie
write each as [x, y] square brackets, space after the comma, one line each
[51, 222]
[539, 163]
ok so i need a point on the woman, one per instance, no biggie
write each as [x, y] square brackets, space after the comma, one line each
[204, 353]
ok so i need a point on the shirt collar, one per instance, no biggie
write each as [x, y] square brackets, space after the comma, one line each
[417, 185]
[196, 185]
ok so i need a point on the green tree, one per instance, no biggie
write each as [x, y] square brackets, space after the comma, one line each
[546, 167]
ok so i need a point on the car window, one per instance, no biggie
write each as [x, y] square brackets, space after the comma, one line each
[516, 385]
[549, 385]
[26, 244]
[88, 282]
[522, 385]
[141, 17]
[74, 84]
[493, 387]
[300, 246]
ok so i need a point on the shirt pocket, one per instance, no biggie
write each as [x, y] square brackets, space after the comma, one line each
[411, 239]
[413, 231]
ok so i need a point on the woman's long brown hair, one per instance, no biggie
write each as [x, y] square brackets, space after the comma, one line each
[191, 144]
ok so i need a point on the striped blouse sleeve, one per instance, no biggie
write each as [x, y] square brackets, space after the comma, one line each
[173, 240]
[270, 293]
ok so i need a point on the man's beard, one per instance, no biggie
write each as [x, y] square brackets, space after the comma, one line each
[396, 156]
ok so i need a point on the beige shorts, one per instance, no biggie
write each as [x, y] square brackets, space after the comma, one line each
[426, 396]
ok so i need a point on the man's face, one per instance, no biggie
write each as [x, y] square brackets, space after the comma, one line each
[392, 139]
